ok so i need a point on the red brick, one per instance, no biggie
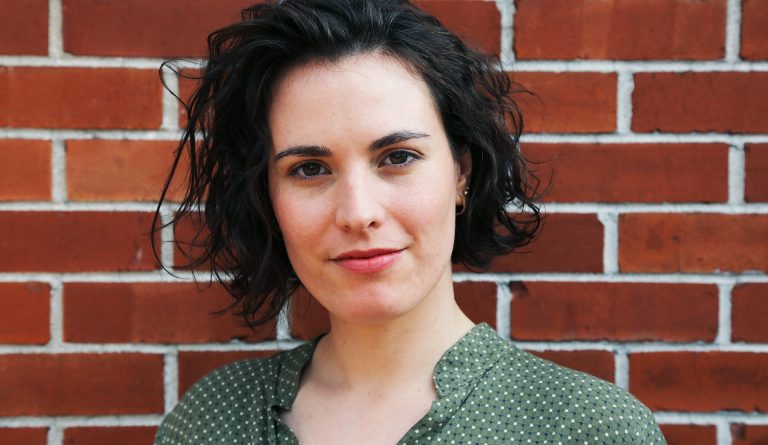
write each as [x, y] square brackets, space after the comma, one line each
[80, 98]
[308, 317]
[75, 241]
[754, 33]
[25, 173]
[152, 313]
[188, 83]
[749, 434]
[597, 363]
[23, 436]
[696, 243]
[749, 312]
[568, 243]
[624, 172]
[186, 248]
[120, 170]
[570, 102]
[756, 181]
[194, 365]
[80, 384]
[620, 29]
[477, 300]
[478, 22]
[114, 435]
[700, 101]
[700, 381]
[25, 317]
[145, 27]
[609, 311]
[690, 434]
[24, 27]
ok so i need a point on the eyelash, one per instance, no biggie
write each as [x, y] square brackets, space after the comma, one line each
[411, 157]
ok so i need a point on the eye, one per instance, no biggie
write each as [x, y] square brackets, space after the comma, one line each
[309, 170]
[400, 157]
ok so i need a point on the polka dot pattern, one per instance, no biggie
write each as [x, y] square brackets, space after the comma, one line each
[490, 392]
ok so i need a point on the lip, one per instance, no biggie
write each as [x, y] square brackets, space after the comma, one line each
[368, 261]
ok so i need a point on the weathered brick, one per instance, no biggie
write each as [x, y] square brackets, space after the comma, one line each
[23, 436]
[700, 101]
[754, 33]
[121, 170]
[478, 22]
[567, 243]
[695, 243]
[47, 97]
[25, 317]
[193, 365]
[75, 241]
[308, 317]
[749, 312]
[756, 181]
[569, 102]
[113, 435]
[689, 434]
[145, 27]
[749, 434]
[620, 29]
[25, 173]
[152, 313]
[700, 381]
[80, 384]
[597, 363]
[623, 172]
[609, 311]
[24, 27]
[477, 300]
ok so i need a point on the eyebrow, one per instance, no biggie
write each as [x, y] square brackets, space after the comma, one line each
[312, 151]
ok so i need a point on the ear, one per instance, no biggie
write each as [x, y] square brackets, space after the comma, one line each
[464, 173]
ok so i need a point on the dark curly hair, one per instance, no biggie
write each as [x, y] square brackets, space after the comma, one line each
[227, 138]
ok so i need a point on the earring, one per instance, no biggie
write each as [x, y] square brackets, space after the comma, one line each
[465, 195]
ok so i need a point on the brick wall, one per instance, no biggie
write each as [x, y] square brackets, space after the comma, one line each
[651, 270]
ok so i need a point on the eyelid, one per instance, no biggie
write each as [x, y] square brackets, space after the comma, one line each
[294, 170]
[415, 156]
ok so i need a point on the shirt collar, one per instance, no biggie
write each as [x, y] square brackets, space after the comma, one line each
[463, 363]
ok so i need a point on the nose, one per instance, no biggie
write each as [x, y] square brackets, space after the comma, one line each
[358, 202]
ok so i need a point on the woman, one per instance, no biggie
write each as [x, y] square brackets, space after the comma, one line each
[355, 148]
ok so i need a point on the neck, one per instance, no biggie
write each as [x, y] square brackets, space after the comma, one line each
[401, 351]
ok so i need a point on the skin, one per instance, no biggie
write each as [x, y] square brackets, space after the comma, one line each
[336, 190]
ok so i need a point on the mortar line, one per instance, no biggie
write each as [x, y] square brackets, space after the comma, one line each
[170, 379]
[55, 435]
[724, 310]
[736, 174]
[58, 171]
[610, 223]
[625, 83]
[55, 32]
[503, 309]
[733, 31]
[621, 363]
[56, 314]
[724, 436]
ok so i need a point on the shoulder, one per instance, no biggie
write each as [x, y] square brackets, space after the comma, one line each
[584, 409]
[224, 403]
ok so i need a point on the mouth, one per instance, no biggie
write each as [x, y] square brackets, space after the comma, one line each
[368, 261]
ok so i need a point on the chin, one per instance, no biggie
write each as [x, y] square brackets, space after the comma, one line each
[376, 307]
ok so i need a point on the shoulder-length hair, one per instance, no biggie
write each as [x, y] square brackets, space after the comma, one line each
[227, 141]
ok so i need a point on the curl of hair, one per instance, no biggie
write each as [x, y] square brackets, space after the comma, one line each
[227, 139]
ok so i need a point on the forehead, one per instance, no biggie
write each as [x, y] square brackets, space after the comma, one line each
[361, 96]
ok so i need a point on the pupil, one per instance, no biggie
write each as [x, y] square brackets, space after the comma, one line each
[398, 158]
[311, 169]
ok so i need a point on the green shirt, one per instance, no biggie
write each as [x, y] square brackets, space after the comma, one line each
[489, 392]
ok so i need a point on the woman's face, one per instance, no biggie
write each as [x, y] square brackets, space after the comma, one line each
[364, 186]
